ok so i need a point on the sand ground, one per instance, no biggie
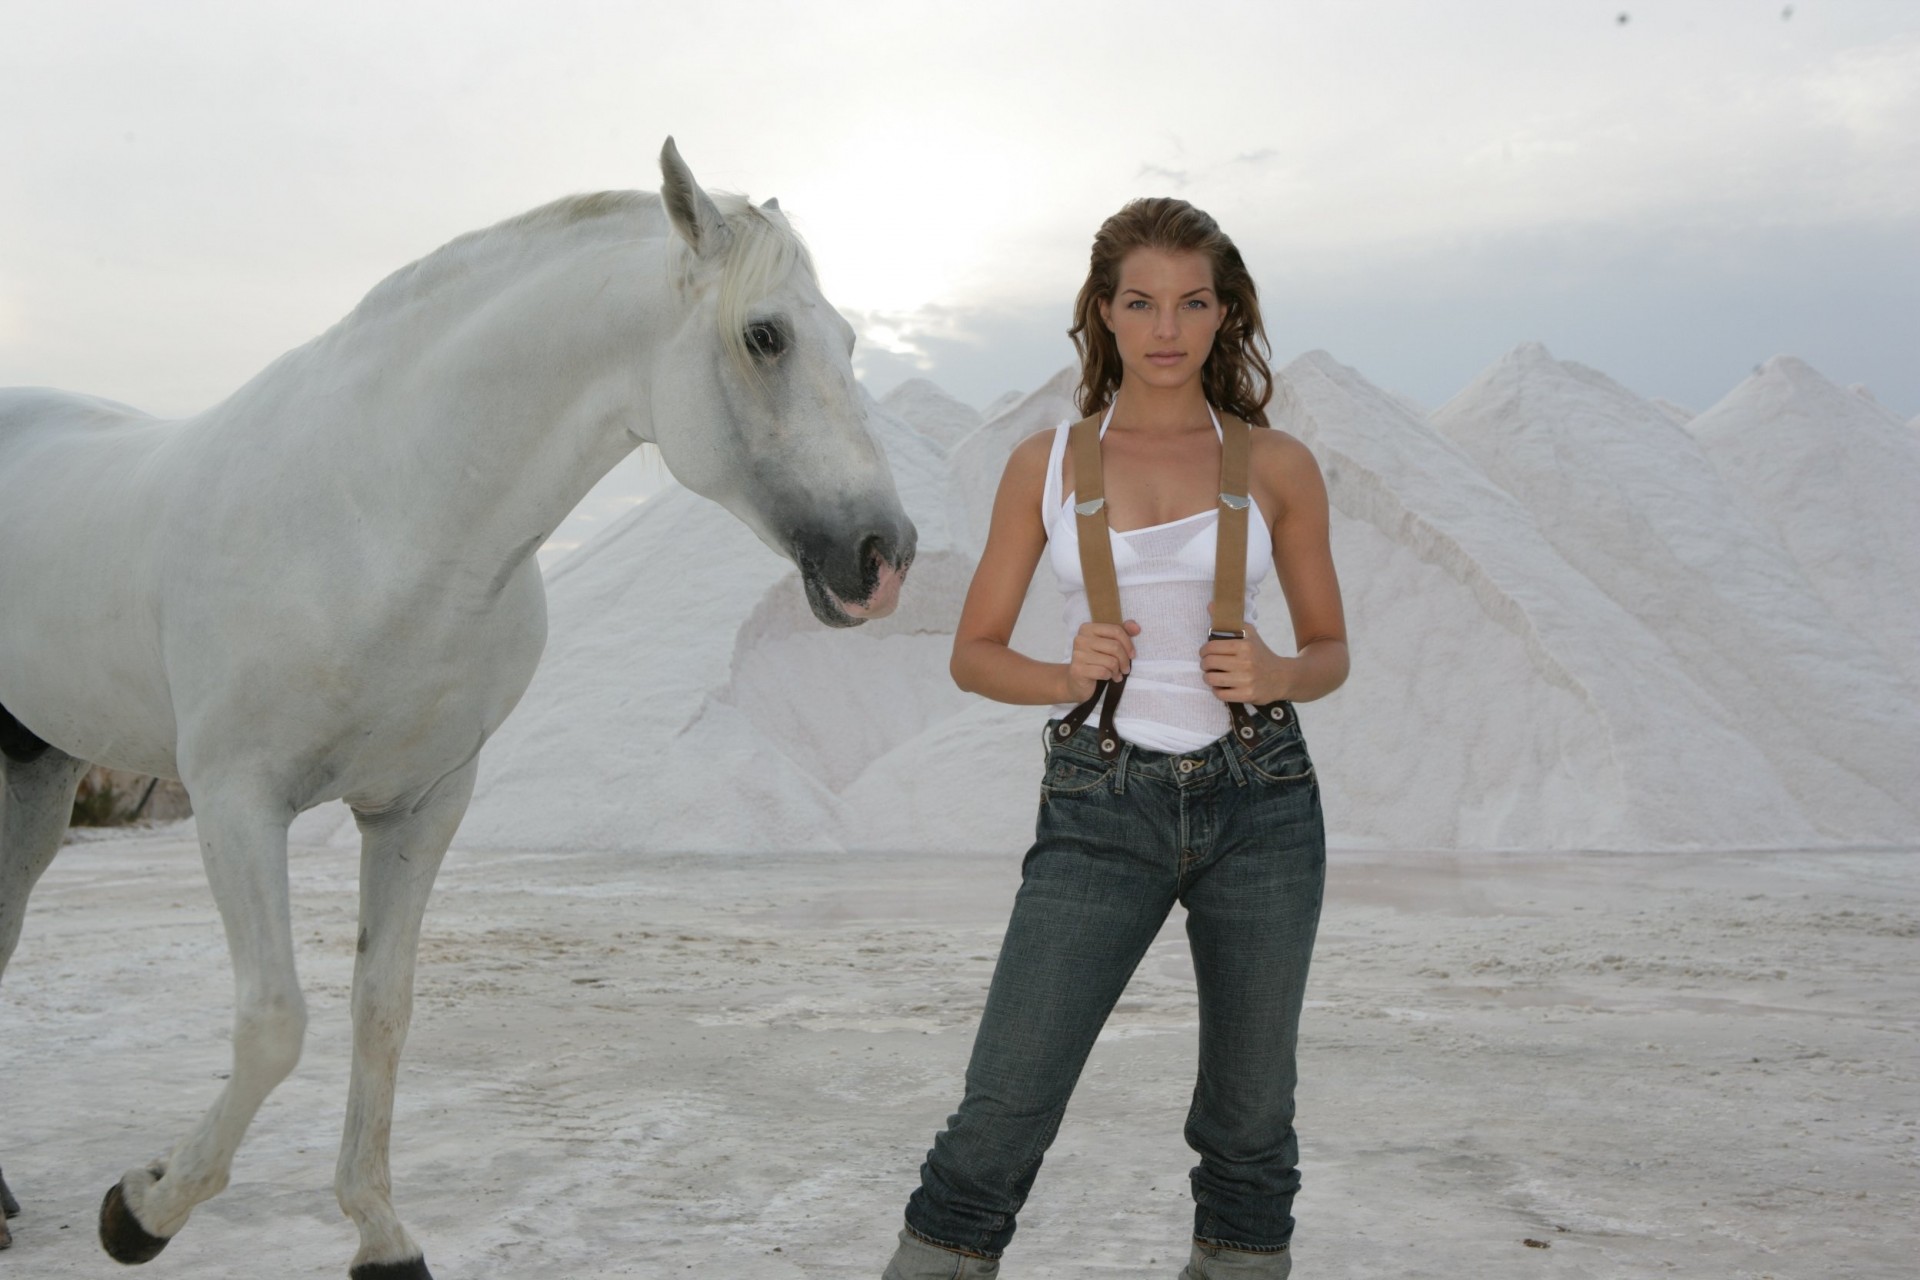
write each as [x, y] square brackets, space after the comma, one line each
[1693, 1066]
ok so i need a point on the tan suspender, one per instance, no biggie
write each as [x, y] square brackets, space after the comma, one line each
[1103, 584]
[1090, 515]
[1230, 550]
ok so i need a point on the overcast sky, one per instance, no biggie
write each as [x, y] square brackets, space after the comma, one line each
[188, 189]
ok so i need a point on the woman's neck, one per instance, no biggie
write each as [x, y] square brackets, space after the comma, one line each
[1139, 407]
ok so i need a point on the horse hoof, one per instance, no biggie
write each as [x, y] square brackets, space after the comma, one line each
[8, 1205]
[411, 1269]
[121, 1234]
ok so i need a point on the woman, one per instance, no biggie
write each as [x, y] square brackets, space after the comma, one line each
[1160, 802]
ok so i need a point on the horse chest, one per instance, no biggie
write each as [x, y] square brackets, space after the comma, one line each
[428, 666]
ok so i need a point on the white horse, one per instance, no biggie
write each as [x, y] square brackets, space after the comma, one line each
[325, 587]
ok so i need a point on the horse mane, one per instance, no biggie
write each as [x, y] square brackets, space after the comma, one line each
[764, 251]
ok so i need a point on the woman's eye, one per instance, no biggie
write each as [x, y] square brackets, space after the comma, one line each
[765, 340]
[1137, 304]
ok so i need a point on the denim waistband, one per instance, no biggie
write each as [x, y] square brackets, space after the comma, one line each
[1224, 757]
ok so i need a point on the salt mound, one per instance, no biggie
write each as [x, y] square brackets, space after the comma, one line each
[621, 740]
[932, 412]
[1678, 412]
[689, 702]
[1001, 403]
[980, 459]
[1498, 698]
[1629, 499]
[1836, 478]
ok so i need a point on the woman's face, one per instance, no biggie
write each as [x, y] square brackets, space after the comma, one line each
[1163, 315]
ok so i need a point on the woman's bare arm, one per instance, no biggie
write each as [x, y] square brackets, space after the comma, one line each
[983, 661]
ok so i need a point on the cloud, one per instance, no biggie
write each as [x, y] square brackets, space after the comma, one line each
[1177, 177]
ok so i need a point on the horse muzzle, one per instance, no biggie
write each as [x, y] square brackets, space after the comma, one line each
[848, 584]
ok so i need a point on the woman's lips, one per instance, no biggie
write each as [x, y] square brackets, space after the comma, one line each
[1166, 357]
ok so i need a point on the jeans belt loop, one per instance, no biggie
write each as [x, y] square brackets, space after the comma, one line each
[1232, 750]
[1120, 768]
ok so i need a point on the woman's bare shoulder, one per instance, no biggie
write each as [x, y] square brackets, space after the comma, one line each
[1279, 447]
[1281, 456]
[1283, 466]
[1024, 479]
[1040, 443]
[1027, 464]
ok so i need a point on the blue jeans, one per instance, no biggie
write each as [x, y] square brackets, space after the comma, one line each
[1233, 833]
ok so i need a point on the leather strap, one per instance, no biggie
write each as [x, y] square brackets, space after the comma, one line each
[1230, 552]
[1090, 515]
[1230, 547]
[1096, 567]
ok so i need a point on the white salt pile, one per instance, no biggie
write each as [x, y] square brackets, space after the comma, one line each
[1678, 412]
[1631, 501]
[689, 701]
[932, 412]
[1574, 625]
[1835, 479]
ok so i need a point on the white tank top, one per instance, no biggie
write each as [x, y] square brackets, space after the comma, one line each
[1166, 584]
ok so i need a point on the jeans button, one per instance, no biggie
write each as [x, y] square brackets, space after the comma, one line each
[1188, 766]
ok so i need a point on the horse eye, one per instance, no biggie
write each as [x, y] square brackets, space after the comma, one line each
[765, 340]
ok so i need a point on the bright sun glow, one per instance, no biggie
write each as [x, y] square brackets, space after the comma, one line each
[876, 254]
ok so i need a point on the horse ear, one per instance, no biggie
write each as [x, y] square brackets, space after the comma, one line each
[693, 212]
[771, 204]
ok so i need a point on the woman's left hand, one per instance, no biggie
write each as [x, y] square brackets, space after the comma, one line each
[1245, 670]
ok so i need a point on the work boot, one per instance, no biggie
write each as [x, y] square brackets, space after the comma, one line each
[1212, 1262]
[915, 1259]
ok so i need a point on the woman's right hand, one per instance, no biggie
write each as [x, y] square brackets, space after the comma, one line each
[1101, 651]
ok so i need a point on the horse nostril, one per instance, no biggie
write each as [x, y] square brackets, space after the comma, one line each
[873, 559]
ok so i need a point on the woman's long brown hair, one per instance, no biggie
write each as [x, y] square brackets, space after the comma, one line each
[1236, 378]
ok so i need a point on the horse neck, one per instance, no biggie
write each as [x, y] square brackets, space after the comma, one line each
[470, 422]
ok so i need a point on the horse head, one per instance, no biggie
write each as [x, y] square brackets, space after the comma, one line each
[755, 405]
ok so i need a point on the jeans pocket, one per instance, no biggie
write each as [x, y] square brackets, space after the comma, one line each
[1071, 774]
[1281, 758]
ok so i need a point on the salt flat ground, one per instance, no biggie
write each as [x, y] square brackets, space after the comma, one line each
[1694, 1066]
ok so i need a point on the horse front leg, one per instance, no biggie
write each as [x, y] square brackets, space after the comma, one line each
[400, 853]
[243, 842]
[36, 799]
